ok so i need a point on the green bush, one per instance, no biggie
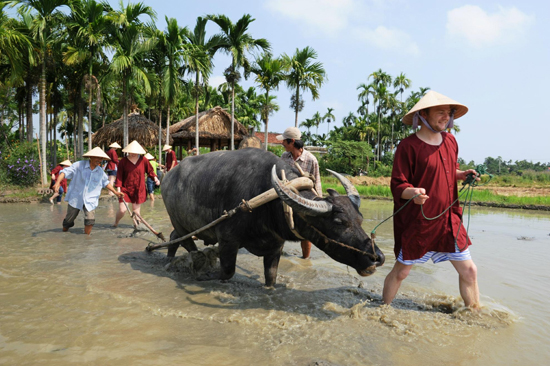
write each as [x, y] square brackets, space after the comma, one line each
[277, 150]
[21, 164]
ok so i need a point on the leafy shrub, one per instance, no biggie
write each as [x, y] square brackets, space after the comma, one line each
[21, 164]
[277, 150]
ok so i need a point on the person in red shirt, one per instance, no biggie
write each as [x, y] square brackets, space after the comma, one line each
[63, 185]
[425, 165]
[130, 179]
[111, 167]
[171, 160]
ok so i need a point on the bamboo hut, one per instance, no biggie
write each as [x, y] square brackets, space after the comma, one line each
[140, 129]
[214, 130]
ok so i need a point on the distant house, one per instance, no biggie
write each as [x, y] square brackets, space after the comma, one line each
[271, 138]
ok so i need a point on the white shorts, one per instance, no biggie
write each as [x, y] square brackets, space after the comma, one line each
[436, 257]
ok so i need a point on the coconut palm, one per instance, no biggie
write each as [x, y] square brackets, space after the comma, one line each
[237, 42]
[200, 61]
[303, 75]
[364, 97]
[269, 73]
[317, 119]
[46, 14]
[328, 117]
[127, 37]
[89, 22]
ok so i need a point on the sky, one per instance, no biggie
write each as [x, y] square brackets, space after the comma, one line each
[492, 56]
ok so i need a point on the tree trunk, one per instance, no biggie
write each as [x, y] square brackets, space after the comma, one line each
[90, 110]
[233, 116]
[297, 106]
[125, 116]
[266, 117]
[42, 98]
[80, 123]
[55, 137]
[160, 135]
[28, 103]
[168, 124]
[197, 112]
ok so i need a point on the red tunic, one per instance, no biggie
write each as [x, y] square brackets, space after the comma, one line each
[170, 157]
[131, 179]
[112, 165]
[55, 172]
[418, 164]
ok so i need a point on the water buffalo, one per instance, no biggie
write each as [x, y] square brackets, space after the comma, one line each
[201, 188]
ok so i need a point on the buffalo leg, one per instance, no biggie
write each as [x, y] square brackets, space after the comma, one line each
[271, 264]
[188, 244]
[228, 260]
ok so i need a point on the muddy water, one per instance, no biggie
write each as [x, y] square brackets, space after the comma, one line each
[66, 298]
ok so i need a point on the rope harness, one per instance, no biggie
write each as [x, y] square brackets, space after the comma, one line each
[469, 184]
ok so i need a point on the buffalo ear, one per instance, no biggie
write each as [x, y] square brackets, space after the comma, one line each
[332, 192]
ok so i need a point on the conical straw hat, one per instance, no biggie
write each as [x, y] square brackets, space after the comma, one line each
[149, 156]
[134, 148]
[98, 153]
[66, 163]
[433, 99]
[115, 145]
[166, 147]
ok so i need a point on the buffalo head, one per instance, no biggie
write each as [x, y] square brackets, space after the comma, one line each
[333, 224]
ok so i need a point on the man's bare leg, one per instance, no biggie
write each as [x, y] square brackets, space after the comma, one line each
[467, 282]
[393, 281]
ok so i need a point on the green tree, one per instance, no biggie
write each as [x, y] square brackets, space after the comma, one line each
[237, 42]
[127, 37]
[89, 22]
[328, 117]
[269, 73]
[303, 75]
[46, 15]
[200, 62]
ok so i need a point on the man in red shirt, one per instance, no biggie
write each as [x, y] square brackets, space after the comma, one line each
[425, 165]
[171, 160]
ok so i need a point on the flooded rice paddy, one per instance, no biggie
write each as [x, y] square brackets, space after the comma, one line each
[68, 298]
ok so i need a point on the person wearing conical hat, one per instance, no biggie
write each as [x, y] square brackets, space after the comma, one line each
[425, 170]
[150, 182]
[87, 180]
[63, 186]
[111, 167]
[296, 154]
[130, 179]
[170, 160]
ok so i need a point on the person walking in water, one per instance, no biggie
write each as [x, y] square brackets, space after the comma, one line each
[151, 182]
[295, 153]
[63, 186]
[425, 167]
[130, 179]
[111, 167]
[87, 180]
[171, 160]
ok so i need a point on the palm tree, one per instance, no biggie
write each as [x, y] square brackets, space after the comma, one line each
[46, 15]
[236, 42]
[14, 45]
[364, 95]
[402, 83]
[317, 119]
[89, 22]
[200, 61]
[269, 73]
[127, 37]
[303, 75]
[327, 117]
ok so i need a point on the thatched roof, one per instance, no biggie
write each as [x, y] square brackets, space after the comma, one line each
[250, 141]
[140, 129]
[214, 123]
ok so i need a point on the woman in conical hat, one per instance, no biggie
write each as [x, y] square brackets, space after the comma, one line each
[112, 165]
[425, 169]
[130, 179]
[171, 160]
[63, 186]
[87, 181]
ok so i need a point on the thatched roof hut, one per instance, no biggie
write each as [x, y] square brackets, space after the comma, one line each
[214, 130]
[140, 129]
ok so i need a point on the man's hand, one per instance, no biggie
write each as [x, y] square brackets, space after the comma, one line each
[157, 181]
[420, 200]
[463, 175]
[119, 194]
[56, 187]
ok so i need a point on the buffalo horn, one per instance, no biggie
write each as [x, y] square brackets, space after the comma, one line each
[351, 191]
[297, 202]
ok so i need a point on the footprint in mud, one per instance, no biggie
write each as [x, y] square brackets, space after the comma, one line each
[200, 263]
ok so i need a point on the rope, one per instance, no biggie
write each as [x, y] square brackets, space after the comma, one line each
[469, 183]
